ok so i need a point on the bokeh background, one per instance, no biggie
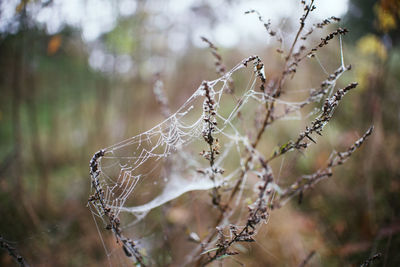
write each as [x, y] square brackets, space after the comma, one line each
[76, 76]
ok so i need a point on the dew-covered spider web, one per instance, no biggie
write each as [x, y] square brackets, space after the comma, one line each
[146, 171]
[165, 161]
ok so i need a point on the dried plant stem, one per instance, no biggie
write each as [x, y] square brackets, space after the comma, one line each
[307, 259]
[307, 181]
[302, 24]
[219, 64]
[4, 244]
[257, 214]
[210, 123]
[307, 9]
[97, 200]
[371, 260]
[317, 124]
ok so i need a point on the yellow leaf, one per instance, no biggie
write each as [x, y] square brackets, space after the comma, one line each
[386, 20]
[372, 45]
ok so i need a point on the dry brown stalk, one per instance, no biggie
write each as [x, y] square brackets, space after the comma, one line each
[4, 244]
[219, 64]
[97, 200]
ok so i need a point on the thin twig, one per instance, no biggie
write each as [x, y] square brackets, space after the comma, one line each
[4, 244]
[307, 259]
[371, 260]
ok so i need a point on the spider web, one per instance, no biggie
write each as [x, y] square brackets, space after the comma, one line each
[139, 161]
[148, 170]
[134, 174]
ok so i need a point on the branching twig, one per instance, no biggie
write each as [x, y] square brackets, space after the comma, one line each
[307, 259]
[320, 25]
[97, 200]
[219, 65]
[257, 214]
[4, 244]
[317, 125]
[307, 181]
[210, 123]
[371, 260]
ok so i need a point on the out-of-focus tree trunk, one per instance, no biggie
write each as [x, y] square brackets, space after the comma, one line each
[16, 118]
[35, 138]
[18, 77]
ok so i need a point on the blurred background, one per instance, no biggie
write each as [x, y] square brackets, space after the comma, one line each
[76, 76]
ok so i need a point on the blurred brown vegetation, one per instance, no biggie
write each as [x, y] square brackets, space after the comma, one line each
[56, 111]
